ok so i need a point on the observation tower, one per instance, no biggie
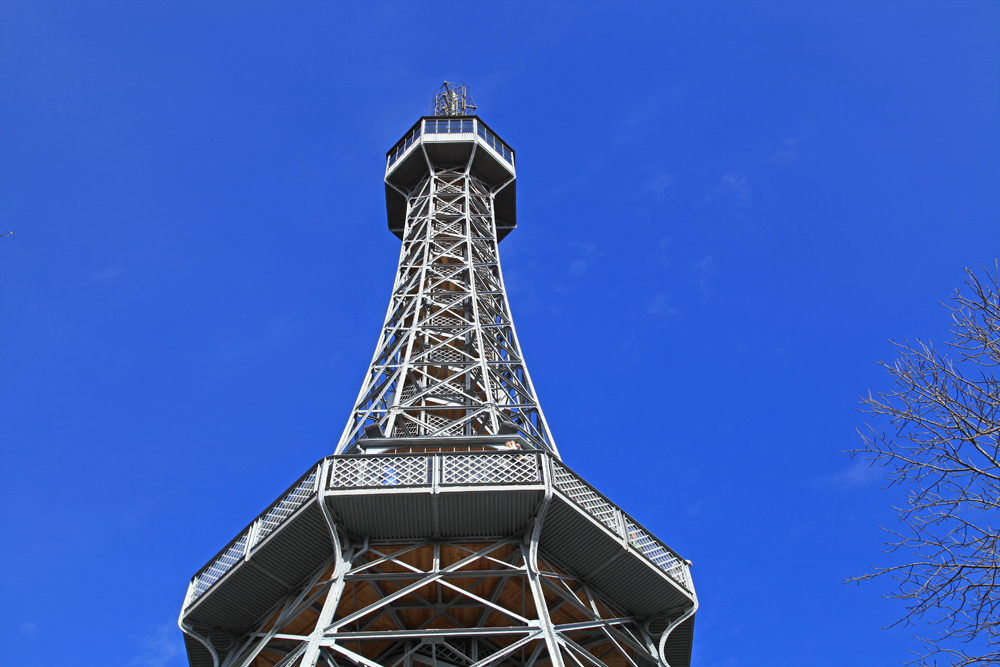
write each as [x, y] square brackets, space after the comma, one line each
[445, 531]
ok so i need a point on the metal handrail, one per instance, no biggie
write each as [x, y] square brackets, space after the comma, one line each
[241, 546]
[496, 468]
[368, 471]
[633, 533]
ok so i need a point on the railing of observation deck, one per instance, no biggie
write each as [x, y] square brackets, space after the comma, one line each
[449, 126]
[440, 469]
[243, 545]
[638, 538]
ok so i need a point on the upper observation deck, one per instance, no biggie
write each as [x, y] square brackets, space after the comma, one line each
[450, 142]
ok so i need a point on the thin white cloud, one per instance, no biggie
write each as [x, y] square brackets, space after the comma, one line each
[160, 647]
[732, 187]
[587, 254]
[788, 152]
[659, 183]
[660, 306]
[704, 271]
[277, 333]
[859, 474]
[107, 275]
[736, 185]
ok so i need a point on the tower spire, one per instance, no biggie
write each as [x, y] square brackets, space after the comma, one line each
[453, 99]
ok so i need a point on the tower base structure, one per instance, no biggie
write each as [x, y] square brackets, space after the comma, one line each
[448, 552]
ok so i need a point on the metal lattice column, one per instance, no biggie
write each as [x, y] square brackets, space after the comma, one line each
[448, 362]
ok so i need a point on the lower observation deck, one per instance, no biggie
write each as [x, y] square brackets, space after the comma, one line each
[460, 496]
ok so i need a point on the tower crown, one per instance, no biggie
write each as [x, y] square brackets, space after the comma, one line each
[463, 141]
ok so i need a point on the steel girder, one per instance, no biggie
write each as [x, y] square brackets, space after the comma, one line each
[447, 604]
[448, 362]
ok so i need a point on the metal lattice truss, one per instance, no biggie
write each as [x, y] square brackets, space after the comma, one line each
[448, 362]
[446, 604]
[453, 99]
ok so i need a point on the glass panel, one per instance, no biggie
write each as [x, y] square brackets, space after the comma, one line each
[431, 126]
[416, 133]
[466, 126]
[456, 127]
[481, 131]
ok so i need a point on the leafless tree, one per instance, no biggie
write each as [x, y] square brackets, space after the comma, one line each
[942, 448]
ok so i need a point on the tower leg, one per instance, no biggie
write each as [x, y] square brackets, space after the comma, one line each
[329, 608]
[544, 620]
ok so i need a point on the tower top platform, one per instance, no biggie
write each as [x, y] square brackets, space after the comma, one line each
[451, 141]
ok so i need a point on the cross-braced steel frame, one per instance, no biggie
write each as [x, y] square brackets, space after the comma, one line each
[446, 604]
[448, 362]
[436, 535]
[453, 99]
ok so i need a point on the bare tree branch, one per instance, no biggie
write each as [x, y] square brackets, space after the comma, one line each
[942, 447]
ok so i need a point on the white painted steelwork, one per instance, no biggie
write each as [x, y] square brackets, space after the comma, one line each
[445, 531]
[396, 472]
[333, 627]
[453, 99]
[448, 362]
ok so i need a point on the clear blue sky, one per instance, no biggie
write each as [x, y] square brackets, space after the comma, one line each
[725, 209]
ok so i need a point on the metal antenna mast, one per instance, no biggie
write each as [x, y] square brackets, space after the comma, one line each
[453, 99]
[445, 531]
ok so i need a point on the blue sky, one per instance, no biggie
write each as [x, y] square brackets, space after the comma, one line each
[725, 210]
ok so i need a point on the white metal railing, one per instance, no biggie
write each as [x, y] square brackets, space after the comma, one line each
[367, 472]
[585, 496]
[502, 468]
[241, 547]
[436, 469]
[650, 547]
[430, 469]
[464, 126]
[284, 508]
[606, 512]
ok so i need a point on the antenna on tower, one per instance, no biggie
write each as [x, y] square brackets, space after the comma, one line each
[453, 99]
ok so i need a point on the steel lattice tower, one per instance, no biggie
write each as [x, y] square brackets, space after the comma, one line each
[445, 530]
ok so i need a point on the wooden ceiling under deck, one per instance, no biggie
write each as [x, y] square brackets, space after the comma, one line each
[496, 576]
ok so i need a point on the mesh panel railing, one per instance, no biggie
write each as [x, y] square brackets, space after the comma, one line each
[221, 565]
[460, 469]
[415, 470]
[262, 526]
[376, 471]
[604, 511]
[654, 550]
[285, 507]
[454, 469]
[586, 497]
